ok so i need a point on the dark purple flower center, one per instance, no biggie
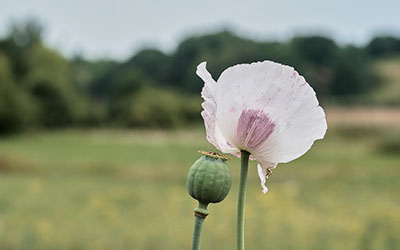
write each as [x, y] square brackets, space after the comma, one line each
[254, 128]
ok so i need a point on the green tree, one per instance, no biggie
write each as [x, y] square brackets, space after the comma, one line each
[43, 74]
[49, 81]
[383, 45]
[352, 75]
[15, 108]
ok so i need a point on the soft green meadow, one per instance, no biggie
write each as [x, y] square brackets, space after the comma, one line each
[106, 189]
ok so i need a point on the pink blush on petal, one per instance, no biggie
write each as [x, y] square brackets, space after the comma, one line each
[254, 128]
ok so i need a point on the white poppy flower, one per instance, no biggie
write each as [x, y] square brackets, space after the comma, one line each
[265, 108]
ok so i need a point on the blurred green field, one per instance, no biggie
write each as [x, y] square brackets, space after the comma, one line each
[115, 189]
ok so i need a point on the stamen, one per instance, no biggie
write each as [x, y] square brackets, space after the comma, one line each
[253, 129]
[268, 173]
[214, 155]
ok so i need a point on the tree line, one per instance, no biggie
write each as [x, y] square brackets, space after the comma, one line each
[40, 88]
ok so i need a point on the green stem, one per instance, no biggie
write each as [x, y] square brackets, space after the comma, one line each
[244, 157]
[198, 225]
[200, 214]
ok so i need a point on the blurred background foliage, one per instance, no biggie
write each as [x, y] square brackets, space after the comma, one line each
[73, 177]
[42, 89]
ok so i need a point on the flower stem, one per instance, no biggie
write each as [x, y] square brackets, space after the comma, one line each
[244, 157]
[200, 214]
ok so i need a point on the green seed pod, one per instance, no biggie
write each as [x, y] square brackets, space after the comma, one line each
[209, 179]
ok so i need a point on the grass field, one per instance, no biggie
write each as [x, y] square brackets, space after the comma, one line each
[105, 189]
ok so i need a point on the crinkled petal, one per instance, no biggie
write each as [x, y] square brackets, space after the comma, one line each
[214, 134]
[299, 119]
[262, 173]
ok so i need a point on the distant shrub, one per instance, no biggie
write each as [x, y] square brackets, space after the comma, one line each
[356, 131]
[15, 109]
[15, 106]
[157, 108]
[383, 45]
[390, 143]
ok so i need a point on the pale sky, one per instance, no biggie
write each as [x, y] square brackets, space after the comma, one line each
[118, 28]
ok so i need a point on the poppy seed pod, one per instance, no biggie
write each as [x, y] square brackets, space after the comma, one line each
[209, 179]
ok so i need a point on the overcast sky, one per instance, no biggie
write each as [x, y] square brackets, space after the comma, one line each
[118, 28]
